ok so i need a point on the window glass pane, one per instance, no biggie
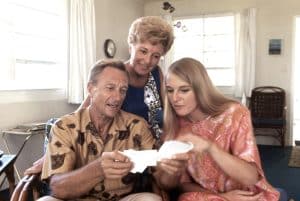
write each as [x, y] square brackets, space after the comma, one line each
[219, 42]
[189, 26]
[37, 44]
[210, 40]
[218, 59]
[221, 77]
[38, 48]
[183, 47]
[218, 25]
[42, 74]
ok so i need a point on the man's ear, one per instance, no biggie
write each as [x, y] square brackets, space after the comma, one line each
[129, 49]
[91, 88]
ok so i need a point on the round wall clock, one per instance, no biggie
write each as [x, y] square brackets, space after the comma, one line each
[110, 48]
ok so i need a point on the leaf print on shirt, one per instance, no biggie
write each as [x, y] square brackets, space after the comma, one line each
[57, 161]
[123, 135]
[106, 195]
[80, 138]
[71, 125]
[72, 148]
[59, 124]
[137, 141]
[108, 137]
[58, 144]
[90, 126]
[135, 121]
[92, 149]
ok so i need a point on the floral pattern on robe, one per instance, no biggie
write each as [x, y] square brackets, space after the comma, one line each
[232, 131]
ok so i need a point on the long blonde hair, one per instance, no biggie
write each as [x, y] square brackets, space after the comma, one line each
[210, 101]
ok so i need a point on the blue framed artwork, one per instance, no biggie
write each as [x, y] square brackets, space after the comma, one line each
[275, 46]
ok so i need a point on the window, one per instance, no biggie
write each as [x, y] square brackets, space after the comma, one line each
[209, 39]
[33, 34]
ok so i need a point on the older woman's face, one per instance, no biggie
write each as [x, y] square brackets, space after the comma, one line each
[145, 56]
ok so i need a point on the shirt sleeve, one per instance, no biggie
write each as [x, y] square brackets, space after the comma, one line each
[243, 143]
[60, 156]
[244, 146]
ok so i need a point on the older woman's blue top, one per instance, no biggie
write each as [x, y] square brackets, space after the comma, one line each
[135, 100]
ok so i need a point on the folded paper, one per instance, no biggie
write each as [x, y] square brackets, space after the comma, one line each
[145, 158]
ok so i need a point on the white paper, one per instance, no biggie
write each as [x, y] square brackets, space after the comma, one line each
[141, 159]
[172, 147]
[144, 158]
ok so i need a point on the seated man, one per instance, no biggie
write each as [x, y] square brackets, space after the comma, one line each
[83, 159]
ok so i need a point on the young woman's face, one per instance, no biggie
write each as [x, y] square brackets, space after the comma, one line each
[145, 56]
[181, 97]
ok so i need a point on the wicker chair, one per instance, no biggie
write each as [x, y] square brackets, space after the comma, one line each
[30, 187]
[267, 106]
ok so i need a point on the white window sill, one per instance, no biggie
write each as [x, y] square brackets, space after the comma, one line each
[15, 96]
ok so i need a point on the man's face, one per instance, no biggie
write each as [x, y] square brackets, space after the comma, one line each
[108, 94]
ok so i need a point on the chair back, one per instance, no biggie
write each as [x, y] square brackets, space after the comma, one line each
[267, 102]
[267, 106]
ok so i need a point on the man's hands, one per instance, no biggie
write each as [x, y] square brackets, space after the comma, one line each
[115, 165]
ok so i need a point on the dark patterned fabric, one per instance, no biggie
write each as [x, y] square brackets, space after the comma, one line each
[76, 142]
[146, 102]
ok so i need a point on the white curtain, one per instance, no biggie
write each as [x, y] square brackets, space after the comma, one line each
[7, 55]
[82, 47]
[168, 58]
[245, 52]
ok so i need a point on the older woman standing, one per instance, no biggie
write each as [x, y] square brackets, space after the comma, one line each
[149, 38]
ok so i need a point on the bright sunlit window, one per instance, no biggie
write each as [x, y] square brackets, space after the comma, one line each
[33, 38]
[210, 40]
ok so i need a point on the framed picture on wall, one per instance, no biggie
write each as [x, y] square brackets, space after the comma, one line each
[275, 46]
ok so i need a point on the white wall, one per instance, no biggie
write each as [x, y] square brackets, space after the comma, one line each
[274, 21]
[113, 19]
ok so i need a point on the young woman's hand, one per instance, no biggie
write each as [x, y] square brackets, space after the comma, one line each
[200, 144]
[240, 195]
[174, 165]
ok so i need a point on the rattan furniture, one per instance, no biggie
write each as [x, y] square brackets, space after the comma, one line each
[268, 111]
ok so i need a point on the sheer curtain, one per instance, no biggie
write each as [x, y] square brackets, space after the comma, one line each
[82, 47]
[245, 53]
[168, 58]
[7, 56]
